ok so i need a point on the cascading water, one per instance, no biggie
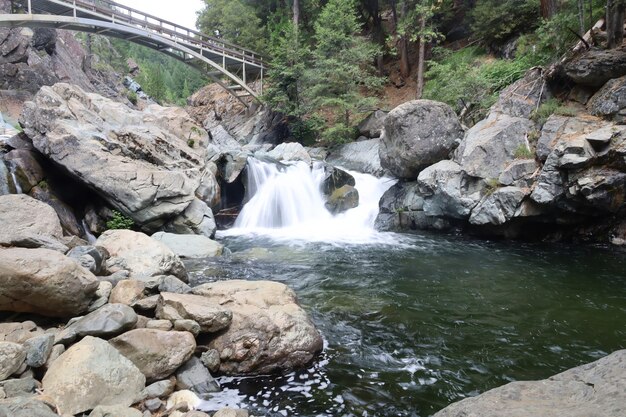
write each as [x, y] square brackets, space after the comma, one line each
[285, 201]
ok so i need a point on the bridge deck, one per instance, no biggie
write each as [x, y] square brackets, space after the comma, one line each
[220, 60]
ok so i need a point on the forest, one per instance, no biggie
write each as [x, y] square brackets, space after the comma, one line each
[333, 61]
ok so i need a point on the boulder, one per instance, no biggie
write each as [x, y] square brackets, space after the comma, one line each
[26, 407]
[44, 282]
[98, 255]
[492, 144]
[140, 162]
[269, 331]
[143, 256]
[102, 294]
[92, 373]
[447, 191]
[372, 126]
[610, 101]
[38, 350]
[524, 96]
[195, 377]
[19, 332]
[402, 208]
[335, 178]
[190, 246]
[518, 170]
[156, 353]
[595, 389]
[19, 225]
[231, 164]
[417, 134]
[70, 224]
[159, 389]
[209, 190]
[127, 292]
[498, 207]
[362, 156]
[115, 411]
[291, 151]
[196, 219]
[209, 314]
[109, 320]
[173, 284]
[343, 199]
[223, 140]
[596, 66]
[27, 169]
[12, 356]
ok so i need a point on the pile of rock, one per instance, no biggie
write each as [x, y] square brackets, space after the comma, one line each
[114, 329]
[508, 174]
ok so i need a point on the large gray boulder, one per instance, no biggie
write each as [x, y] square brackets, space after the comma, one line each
[417, 134]
[141, 162]
[209, 314]
[156, 353]
[194, 376]
[21, 228]
[92, 373]
[290, 151]
[610, 101]
[362, 156]
[492, 144]
[190, 246]
[197, 219]
[595, 389]
[269, 331]
[12, 356]
[595, 67]
[143, 256]
[109, 320]
[447, 191]
[44, 282]
[498, 207]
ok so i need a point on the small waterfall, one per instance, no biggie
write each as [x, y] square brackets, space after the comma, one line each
[88, 235]
[16, 183]
[285, 201]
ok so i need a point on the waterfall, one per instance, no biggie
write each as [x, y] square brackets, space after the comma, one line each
[16, 183]
[88, 235]
[284, 200]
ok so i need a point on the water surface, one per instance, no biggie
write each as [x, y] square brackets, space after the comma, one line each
[424, 320]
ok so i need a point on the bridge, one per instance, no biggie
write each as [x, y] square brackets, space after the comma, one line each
[238, 70]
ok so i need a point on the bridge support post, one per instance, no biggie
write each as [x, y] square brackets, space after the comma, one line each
[30, 9]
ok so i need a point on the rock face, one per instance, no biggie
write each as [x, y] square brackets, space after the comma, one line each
[92, 373]
[595, 389]
[196, 219]
[143, 256]
[21, 228]
[190, 246]
[209, 314]
[360, 156]
[595, 67]
[418, 134]
[269, 331]
[343, 199]
[610, 101]
[44, 282]
[156, 353]
[140, 162]
[372, 126]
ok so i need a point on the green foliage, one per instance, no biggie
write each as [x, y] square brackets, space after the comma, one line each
[491, 185]
[191, 143]
[469, 80]
[523, 152]
[545, 110]
[341, 73]
[236, 22]
[287, 68]
[496, 21]
[119, 221]
[132, 97]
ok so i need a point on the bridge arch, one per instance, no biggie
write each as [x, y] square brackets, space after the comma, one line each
[234, 68]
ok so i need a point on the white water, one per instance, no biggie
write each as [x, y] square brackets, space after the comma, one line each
[18, 188]
[286, 203]
[88, 235]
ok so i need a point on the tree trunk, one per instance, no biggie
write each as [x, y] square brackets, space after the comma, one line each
[619, 23]
[88, 54]
[581, 16]
[548, 8]
[405, 67]
[296, 13]
[615, 22]
[422, 57]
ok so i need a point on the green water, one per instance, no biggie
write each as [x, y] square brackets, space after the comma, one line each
[414, 326]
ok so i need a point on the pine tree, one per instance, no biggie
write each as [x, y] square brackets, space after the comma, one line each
[341, 71]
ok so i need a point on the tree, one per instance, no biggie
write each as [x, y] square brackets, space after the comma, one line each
[341, 70]
[548, 8]
[234, 21]
[615, 22]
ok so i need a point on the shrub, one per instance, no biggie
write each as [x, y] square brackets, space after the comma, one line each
[523, 152]
[550, 107]
[119, 221]
[132, 97]
[191, 143]
[496, 21]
